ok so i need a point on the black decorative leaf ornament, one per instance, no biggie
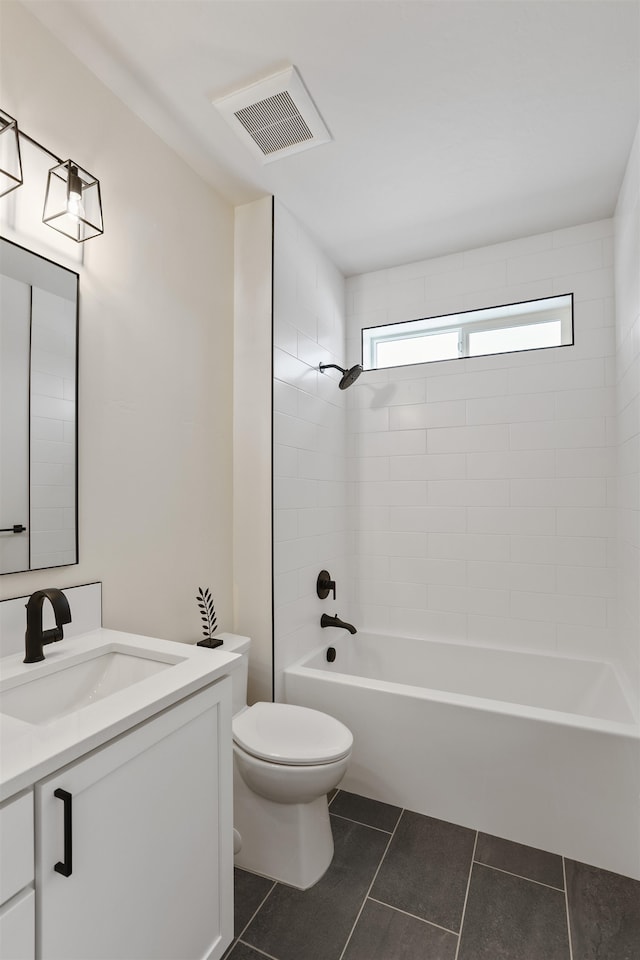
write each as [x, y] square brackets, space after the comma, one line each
[208, 617]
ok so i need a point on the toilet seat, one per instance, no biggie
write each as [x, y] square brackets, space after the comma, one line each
[291, 735]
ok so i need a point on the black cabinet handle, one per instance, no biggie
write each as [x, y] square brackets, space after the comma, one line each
[64, 866]
[16, 528]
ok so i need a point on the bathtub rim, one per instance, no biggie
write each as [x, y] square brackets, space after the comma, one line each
[504, 707]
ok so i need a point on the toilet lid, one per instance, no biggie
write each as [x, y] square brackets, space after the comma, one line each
[284, 733]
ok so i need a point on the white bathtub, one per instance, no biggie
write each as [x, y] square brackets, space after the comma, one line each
[540, 749]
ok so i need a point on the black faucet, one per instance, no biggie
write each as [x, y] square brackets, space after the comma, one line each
[35, 638]
[327, 621]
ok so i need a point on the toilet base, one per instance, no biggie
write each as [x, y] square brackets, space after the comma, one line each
[289, 842]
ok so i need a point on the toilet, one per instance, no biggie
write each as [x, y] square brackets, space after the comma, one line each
[286, 759]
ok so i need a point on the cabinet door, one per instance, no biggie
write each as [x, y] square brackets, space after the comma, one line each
[17, 936]
[16, 844]
[150, 829]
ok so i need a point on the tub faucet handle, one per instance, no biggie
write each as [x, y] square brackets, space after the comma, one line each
[325, 585]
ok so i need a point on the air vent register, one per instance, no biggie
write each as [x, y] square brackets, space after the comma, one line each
[274, 117]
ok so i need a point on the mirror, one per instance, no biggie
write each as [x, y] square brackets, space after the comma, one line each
[38, 411]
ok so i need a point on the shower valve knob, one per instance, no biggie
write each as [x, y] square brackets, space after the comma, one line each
[325, 585]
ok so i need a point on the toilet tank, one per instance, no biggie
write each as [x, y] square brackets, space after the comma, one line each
[233, 643]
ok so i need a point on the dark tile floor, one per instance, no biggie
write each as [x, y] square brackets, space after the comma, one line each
[407, 887]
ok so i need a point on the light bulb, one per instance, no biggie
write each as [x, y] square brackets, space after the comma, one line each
[75, 207]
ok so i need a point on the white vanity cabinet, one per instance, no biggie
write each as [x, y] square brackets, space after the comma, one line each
[17, 897]
[134, 841]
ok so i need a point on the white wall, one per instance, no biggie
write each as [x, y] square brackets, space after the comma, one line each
[482, 489]
[627, 287]
[156, 341]
[252, 458]
[310, 507]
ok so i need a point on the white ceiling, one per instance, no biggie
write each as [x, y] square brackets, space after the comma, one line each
[455, 124]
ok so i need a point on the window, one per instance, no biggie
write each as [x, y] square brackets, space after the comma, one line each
[532, 325]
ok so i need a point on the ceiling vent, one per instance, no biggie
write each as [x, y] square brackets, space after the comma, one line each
[274, 117]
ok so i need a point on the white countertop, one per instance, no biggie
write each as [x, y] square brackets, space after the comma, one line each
[29, 752]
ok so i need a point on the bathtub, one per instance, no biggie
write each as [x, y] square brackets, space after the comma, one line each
[536, 748]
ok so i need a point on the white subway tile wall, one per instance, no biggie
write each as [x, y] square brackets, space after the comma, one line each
[310, 436]
[483, 508]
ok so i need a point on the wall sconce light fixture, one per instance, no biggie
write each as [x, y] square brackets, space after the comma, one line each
[72, 203]
[10, 160]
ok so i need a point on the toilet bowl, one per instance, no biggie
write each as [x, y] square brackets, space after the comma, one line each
[286, 759]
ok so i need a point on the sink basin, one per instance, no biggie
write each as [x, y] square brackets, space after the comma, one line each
[53, 695]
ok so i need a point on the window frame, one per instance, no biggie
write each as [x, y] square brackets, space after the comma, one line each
[504, 316]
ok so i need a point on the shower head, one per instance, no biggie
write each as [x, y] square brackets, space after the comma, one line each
[348, 376]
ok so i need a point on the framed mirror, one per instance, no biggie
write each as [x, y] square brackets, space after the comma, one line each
[38, 411]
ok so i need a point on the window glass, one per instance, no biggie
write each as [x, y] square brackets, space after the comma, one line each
[532, 336]
[425, 349]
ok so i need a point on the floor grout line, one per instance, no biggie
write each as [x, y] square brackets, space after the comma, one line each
[519, 876]
[244, 943]
[466, 896]
[414, 916]
[369, 888]
[566, 904]
[257, 910]
[361, 824]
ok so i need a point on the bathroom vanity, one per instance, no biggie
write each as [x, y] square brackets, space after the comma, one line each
[116, 801]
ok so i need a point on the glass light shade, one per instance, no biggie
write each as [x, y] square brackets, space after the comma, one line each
[10, 160]
[72, 203]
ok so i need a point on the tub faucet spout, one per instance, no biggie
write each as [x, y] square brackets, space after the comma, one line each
[327, 621]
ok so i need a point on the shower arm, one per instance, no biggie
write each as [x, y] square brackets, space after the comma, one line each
[332, 366]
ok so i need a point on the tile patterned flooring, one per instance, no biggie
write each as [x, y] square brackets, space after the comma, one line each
[403, 886]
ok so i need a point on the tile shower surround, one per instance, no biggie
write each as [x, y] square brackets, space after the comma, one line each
[473, 499]
[407, 887]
